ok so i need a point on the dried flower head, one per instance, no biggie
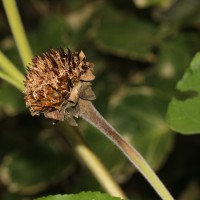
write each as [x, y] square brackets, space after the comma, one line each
[55, 81]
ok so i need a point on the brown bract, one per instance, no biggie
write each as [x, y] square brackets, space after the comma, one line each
[55, 81]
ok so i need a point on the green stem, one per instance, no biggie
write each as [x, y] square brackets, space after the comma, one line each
[18, 31]
[10, 68]
[12, 81]
[91, 115]
[93, 163]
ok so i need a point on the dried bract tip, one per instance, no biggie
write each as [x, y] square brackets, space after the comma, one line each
[55, 81]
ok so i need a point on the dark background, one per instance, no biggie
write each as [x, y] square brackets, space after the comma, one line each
[140, 51]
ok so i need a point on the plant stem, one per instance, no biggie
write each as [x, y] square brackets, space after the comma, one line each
[10, 68]
[12, 81]
[18, 31]
[91, 115]
[10, 72]
[92, 162]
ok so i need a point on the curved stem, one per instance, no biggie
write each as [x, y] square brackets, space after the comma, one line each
[93, 163]
[91, 115]
[18, 31]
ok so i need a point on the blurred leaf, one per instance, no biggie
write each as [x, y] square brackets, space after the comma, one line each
[33, 169]
[192, 191]
[183, 115]
[124, 35]
[87, 182]
[193, 41]
[75, 5]
[147, 3]
[52, 32]
[144, 126]
[11, 100]
[169, 63]
[181, 13]
[81, 196]
[55, 32]
[10, 196]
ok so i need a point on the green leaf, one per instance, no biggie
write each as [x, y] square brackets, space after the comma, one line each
[81, 196]
[125, 35]
[54, 32]
[33, 168]
[51, 31]
[181, 13]
[169, 63]
[184, 115]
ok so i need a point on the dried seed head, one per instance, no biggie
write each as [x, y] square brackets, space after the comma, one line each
[55, 81]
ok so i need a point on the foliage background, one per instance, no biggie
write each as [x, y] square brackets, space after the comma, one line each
[140, 50]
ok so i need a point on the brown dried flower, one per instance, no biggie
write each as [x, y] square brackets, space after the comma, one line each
[55, 81]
